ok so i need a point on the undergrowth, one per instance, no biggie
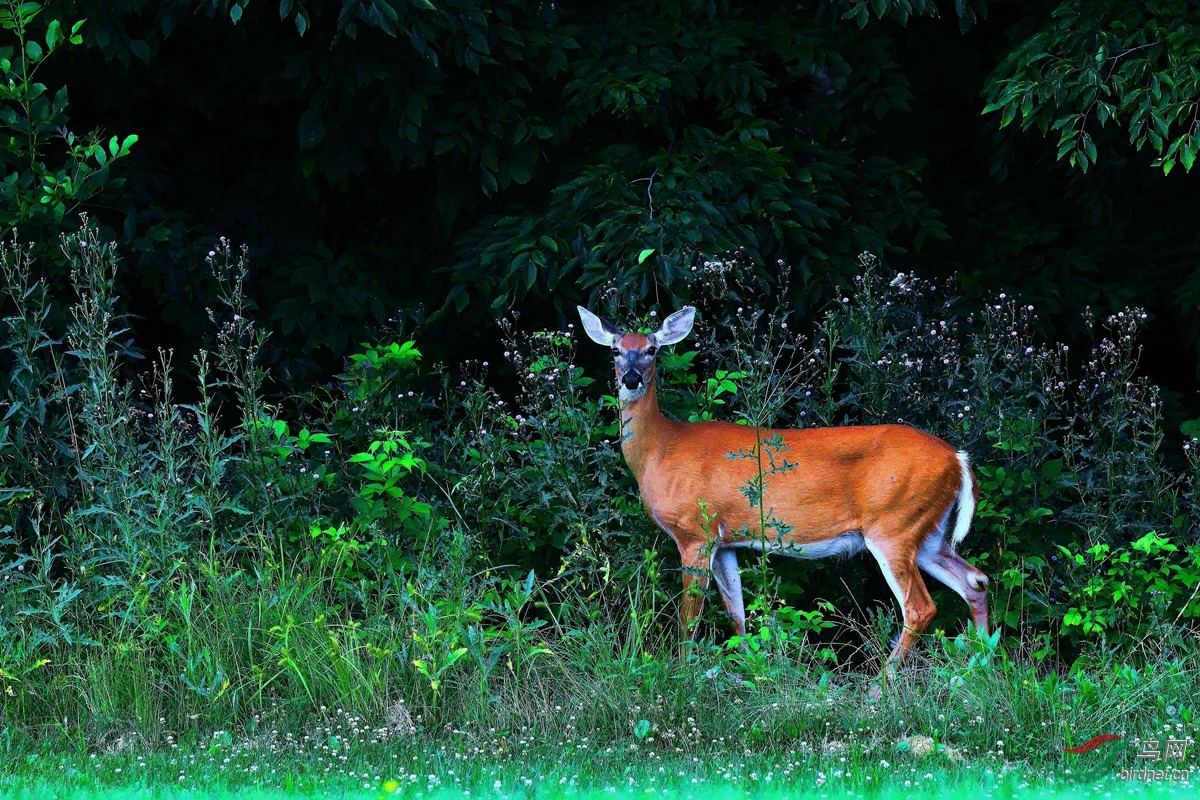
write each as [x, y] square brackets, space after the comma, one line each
[409, 547]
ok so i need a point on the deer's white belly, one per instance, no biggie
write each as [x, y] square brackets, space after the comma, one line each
[845, 544]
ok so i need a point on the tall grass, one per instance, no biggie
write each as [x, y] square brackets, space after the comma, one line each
[413, 549]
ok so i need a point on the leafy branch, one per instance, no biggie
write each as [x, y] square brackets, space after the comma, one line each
[1129, 65]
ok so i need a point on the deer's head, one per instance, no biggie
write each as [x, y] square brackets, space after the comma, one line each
[634, 353]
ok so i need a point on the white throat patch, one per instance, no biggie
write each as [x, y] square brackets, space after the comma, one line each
[629, 395]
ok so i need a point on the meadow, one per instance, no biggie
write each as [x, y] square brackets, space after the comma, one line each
[347, 757]
[438, 580]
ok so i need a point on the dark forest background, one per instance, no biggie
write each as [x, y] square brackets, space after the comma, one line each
[438, 164]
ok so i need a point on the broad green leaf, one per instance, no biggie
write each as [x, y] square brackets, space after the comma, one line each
[519, 172]
[54, 34]
[642, 256]
[1187, 156]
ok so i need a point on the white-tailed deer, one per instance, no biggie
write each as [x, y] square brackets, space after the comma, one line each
[888, 489]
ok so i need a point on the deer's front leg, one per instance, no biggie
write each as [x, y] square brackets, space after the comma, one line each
[694, 561]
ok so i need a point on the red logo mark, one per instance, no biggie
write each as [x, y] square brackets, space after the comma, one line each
[1092, 744]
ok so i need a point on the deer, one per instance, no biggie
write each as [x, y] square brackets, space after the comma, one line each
[886, 489]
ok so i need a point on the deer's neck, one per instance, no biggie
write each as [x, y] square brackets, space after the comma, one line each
[643, 431]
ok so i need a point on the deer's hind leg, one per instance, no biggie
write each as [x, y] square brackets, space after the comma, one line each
[898, 562]
[729, 582]
[950, 568]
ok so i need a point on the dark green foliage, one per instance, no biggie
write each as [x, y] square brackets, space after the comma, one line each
[535, 478]
[683, 141]
[424, 160]
[49, 172]
[1094, 63]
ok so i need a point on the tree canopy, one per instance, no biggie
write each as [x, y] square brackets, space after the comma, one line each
[453, 160]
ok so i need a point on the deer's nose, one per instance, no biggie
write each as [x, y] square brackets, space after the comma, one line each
[632, 379]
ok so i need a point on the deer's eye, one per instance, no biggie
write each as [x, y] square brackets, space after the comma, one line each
[616, 351]
[651, 350]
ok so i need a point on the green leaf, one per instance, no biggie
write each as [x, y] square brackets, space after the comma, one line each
[26, 12]
[1089, 147]
[1187, 156]
[54, 34]
[33, 50]
[1008, 115]
[642, 256]
[520, 173]
[140, 50]
[235, 14]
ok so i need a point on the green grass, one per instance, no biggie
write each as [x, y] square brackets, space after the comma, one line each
[505, 782]
[345, 758]
[944, 728]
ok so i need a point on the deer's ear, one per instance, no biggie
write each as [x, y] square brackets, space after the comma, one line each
[597, 329]
[676, 327]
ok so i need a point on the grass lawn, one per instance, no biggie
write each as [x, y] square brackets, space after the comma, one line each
[332, 764]
[943, 786]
